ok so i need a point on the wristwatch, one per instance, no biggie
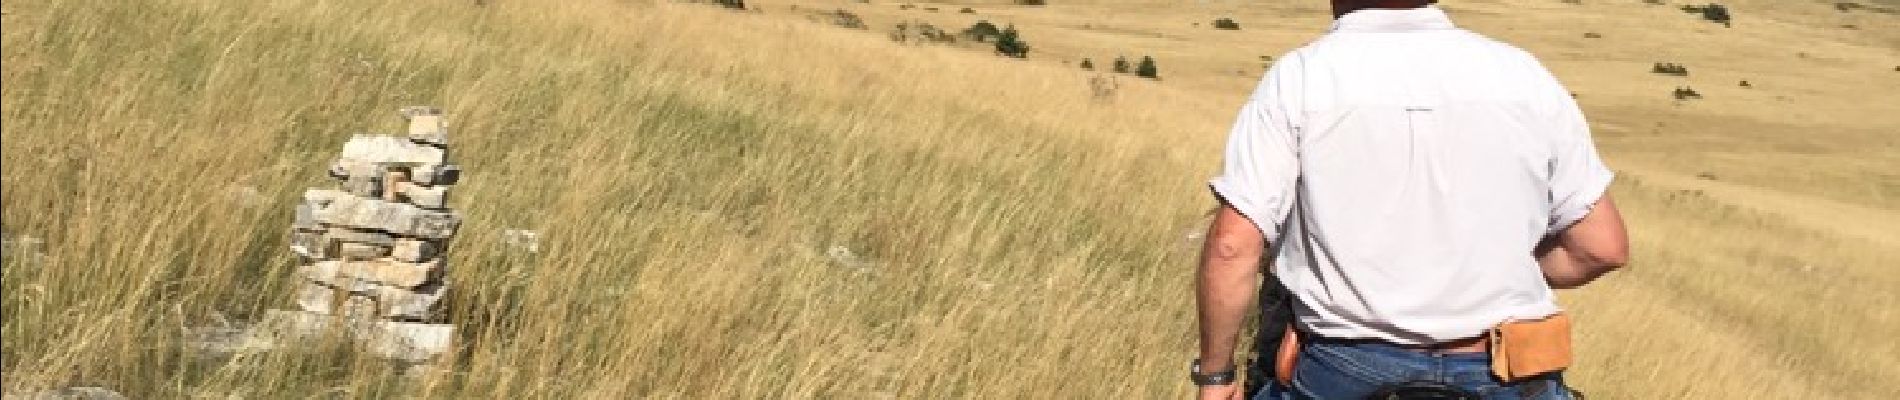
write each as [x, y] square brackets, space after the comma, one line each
[1222, 378]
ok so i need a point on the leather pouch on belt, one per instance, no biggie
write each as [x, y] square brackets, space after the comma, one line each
[1526, 348]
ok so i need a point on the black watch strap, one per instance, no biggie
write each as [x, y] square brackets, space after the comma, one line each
[1221, 378]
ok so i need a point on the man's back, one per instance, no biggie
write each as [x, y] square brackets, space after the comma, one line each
[1407, 169]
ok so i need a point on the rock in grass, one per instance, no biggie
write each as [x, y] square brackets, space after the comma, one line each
[73, 393]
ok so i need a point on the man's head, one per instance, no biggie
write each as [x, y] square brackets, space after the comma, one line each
[1341, 7]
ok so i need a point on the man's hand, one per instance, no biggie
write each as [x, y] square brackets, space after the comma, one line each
[1224, 392]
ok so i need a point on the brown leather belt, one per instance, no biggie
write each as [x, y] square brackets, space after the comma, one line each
[1288, 356]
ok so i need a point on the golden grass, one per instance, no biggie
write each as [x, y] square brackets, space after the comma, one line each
[689, 168]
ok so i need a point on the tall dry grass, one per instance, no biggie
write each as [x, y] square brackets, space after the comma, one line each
[690, 169]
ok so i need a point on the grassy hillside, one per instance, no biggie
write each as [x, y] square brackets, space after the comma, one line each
[694, 172]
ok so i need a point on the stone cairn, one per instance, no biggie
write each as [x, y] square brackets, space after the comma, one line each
[372, 250]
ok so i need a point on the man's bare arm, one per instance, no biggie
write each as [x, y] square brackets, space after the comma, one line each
[1230, 263]
[1593, 246]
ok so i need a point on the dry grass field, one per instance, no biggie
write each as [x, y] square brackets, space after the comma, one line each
[693, 171]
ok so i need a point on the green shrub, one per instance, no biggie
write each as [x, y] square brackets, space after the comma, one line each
[1686, 93]
[1088, 65]
[1147, 68]
[1669, 69]
[1712, 12]
[1009, 43]
[982, 31]
[1227, 24]
[921, 32]
[846, 19]
[1122, 66]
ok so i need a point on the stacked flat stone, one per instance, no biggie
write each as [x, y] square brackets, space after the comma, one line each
[374, 247]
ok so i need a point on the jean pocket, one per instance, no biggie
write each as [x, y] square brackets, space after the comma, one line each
[1549, 387]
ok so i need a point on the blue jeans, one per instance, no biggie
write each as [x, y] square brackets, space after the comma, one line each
[1352, 371]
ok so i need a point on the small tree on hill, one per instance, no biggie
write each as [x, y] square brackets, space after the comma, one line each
[1226, 23]
[1121, 65]
[982, 31]
[1088, 65]
[1009, 44]
[1716, 13]
[1147, 68]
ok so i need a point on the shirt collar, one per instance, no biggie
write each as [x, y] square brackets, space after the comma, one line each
[1391, 20]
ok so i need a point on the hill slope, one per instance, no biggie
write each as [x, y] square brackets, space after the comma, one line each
[700, 176]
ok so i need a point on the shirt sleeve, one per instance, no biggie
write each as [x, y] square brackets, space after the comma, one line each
[1578, 177]
[1261, 164]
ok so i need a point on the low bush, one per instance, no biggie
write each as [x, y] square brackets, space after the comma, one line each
[1686, 93]
[1712, 12]
[1669, 69]
[1010, 44]
[921, 32]
[982, 31]
[1147, 68]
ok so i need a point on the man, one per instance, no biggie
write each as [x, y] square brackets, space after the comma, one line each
[1417, 184]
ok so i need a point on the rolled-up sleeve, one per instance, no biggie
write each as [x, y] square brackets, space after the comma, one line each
[1261, 161]
[1578, 176]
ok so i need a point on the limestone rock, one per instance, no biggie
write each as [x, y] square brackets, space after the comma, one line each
[364, 186]
[73, 393]
[432, 197]
[436, 224]
[415, 250]
[426, 126]
[319, 198]
[523, 239]
[419, 303]
[413, 342]
[436, 174]
[306, 218]
[319, 298]
[381, 215]
[361, 251]
[352, 274]
[310, 244]
[353, 235]
[383, 149]
[331, 207]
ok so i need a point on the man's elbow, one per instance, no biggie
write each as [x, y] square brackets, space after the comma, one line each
[1606, 260]
[1594, 265]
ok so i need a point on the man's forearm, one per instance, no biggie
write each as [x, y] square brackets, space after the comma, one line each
[1225, 291]
[1226, 282]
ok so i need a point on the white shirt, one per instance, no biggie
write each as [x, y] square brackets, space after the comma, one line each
[1404, 169]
